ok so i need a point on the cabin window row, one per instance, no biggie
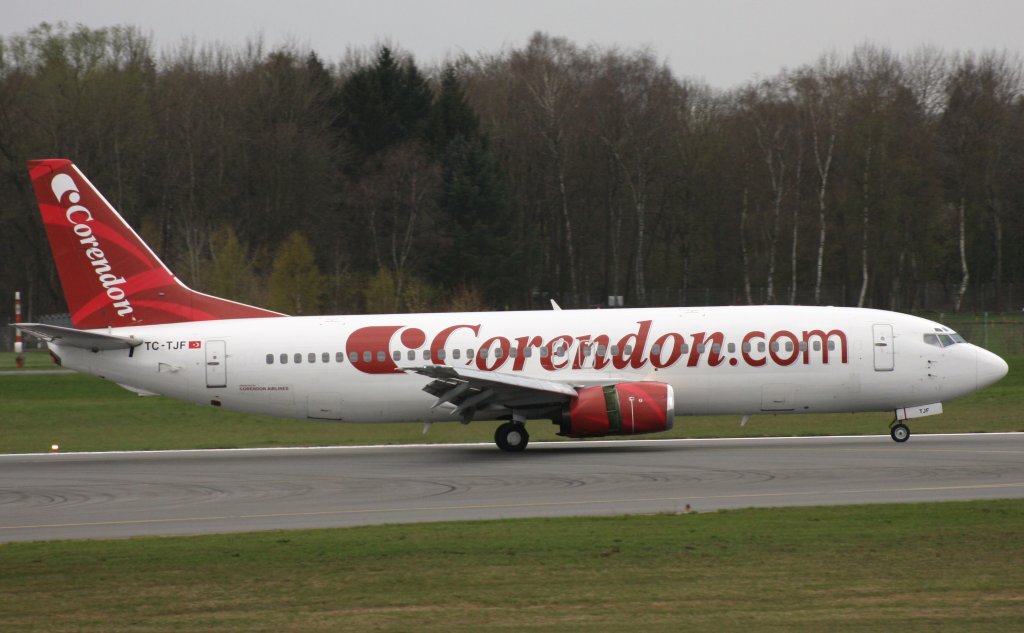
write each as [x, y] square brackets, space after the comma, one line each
[311, 358]
[586, 350]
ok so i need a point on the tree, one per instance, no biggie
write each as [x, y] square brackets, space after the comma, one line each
[296, 284]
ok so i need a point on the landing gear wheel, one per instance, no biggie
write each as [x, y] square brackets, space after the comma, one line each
[900, 432]
[511, 437]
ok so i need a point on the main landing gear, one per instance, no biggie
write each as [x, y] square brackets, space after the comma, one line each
[511, 437]
[899, 431]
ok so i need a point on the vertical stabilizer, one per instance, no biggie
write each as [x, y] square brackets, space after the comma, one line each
[110, 276]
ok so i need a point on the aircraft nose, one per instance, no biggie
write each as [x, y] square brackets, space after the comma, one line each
[991, 368]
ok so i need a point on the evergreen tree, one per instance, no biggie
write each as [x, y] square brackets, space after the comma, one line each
[382, 106]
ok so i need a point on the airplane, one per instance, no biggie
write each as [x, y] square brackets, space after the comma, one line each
[591, 372]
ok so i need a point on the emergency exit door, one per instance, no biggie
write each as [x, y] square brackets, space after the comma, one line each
[216, 364]
[883, 346]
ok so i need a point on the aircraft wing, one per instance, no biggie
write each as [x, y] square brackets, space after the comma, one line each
[469, 390]
[78, 338]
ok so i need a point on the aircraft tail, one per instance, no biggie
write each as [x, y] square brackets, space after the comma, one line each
[110, 276]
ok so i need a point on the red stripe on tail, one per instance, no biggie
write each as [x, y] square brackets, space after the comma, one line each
[110, 276]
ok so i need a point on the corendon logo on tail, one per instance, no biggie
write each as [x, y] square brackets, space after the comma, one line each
[79, 218]
[374, 350]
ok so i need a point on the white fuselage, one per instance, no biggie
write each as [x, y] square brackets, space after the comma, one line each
[718, 360]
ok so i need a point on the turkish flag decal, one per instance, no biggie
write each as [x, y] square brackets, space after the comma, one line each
[195, 344]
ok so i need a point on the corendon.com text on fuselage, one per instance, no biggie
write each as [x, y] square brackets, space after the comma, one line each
[376, 350]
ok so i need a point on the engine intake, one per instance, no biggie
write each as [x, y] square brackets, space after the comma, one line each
[628, 408]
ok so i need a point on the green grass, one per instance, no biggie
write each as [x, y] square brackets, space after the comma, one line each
[80, 413]
[926, 567]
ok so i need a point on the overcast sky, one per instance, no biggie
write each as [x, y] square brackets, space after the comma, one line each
[725, 42]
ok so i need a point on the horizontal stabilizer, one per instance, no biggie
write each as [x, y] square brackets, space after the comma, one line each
[78, 338]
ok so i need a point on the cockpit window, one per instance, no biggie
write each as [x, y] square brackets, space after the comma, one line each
[943, 340]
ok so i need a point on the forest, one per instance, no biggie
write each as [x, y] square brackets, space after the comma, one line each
[504, 179]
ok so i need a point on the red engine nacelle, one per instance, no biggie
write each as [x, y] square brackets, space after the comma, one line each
[628, 408]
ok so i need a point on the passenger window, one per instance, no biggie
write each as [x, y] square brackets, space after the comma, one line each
[353, 356]
[381, 357]
[297, 358]
[483, 353]
[469, 354]
[831, 346]
[686, 348]
[270, 359]
[441, 354]
[339, 357]
[513, 353]
[716, 348]
[601, 349]
[396, 355]
[760, 346]
[426, 354]
[586, 350]
[498, 352]
[543, 352]
[311, 357]
[456, 353]
[325, 357]
[411, 355]
[628, 350]
[789, 346]
[817, 346]
[284, 359]
[367, 357]
[746, 347]
[528, 352]
[560, 352]
[775, 346]
[615, 350]
[655, 350]
[701, 348]
[732, 348]
[803, 346]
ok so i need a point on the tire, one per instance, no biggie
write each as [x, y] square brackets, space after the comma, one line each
[900, 433]
[511, 437]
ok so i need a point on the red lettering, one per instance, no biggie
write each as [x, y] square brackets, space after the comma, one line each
[485, 349]
[635, 358]
[675, 350]
[600, 350]
[824, 338]
[701, 340]
[441, 340]
[524, 343]
[581, 351]
[747, 358]
[548, 362]
[794, 348]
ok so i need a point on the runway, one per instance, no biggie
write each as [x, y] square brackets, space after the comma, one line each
[113, 495]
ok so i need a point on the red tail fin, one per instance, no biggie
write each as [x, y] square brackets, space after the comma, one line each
[110, 277]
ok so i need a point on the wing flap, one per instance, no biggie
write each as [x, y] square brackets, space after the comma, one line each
[471, 390]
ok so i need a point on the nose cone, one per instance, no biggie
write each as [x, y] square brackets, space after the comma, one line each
[991, 368]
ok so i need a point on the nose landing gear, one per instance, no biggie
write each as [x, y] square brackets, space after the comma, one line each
[899, 431]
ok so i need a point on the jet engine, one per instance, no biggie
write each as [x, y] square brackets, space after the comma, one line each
[628, 408]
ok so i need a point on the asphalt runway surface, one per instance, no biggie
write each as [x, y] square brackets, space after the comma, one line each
[114, 495]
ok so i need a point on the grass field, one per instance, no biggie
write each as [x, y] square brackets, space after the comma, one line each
[928, 567]
[80, 413]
